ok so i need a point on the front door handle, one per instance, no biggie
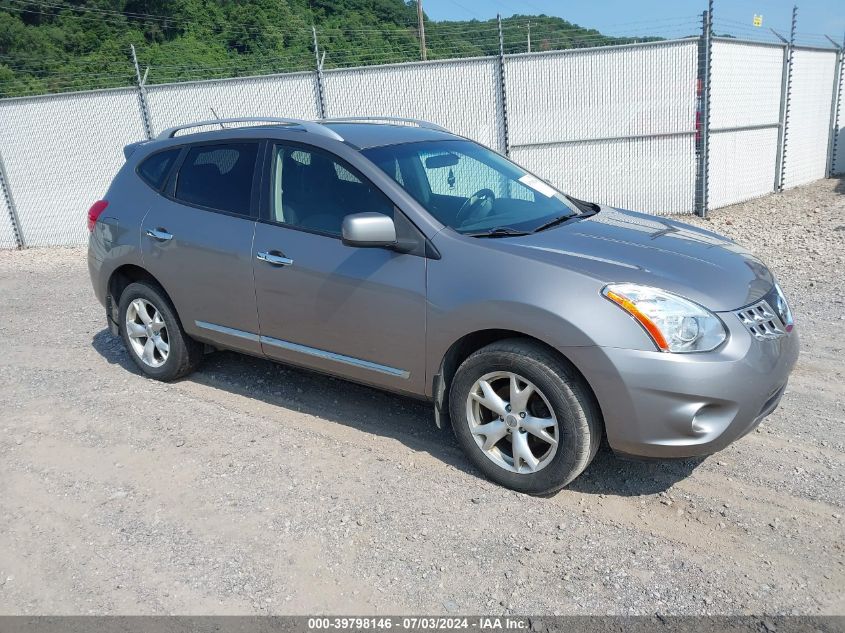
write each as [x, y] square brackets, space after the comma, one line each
[275, 258]
[159, 234]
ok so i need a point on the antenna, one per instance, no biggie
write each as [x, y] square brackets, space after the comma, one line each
[219, 120]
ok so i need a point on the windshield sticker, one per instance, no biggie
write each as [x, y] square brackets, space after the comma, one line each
[538, 185]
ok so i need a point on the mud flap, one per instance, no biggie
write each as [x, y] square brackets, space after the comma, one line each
[441, 409]
[111, 316]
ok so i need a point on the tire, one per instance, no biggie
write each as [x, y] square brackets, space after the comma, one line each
[558, 390]
[183, 354]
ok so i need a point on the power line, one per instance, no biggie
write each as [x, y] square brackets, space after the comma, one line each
[459, 5]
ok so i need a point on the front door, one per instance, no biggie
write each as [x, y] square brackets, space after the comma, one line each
[197, 241]
[354, 312]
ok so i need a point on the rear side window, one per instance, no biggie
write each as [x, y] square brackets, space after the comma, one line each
[218, 177]
[155, 168]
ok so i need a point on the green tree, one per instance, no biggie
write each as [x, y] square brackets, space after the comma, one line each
[57, 45]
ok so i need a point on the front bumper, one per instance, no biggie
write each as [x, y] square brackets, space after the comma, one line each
[682, 405]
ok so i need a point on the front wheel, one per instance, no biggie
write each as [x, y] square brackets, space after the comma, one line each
[524, 416]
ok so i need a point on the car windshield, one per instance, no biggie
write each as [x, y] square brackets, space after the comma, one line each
[472, 189]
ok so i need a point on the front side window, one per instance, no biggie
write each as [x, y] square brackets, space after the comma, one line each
[218, 177]
[154, 169]
[471, 188]
[313, 190]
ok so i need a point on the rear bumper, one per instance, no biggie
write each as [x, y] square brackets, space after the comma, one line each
[658, 405]
[95, 267]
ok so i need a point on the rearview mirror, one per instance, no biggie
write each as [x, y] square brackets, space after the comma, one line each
[442, 160]
[368, 230]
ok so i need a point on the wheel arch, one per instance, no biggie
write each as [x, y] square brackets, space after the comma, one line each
[468, 344]
[120, 278]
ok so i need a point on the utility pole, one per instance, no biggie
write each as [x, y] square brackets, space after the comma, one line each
[529, 36]
[423, 52]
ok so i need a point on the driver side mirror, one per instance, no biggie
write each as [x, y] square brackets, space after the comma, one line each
[368, 230]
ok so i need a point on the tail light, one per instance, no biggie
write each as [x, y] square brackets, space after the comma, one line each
[95, 212]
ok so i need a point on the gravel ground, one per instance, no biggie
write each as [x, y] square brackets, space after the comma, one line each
[253, 488]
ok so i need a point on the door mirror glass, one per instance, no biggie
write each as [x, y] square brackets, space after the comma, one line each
[369, 230]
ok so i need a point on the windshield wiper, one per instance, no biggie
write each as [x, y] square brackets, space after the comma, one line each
[554, 222]
[587, 208]
[499, 231]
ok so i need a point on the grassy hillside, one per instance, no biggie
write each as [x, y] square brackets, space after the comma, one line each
[57, 45]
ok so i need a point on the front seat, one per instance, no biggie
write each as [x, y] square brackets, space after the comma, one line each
[322, 208]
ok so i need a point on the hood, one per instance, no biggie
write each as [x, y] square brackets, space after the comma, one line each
[615, 245]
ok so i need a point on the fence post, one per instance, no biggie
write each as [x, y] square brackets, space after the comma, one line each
[142, 95]
[834, 108]
[503, 93]
[10, 204]
[321, 94]
[786, 96]
[705, 50]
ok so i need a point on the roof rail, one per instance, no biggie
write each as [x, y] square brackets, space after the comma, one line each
[375, 119]
[308, 126]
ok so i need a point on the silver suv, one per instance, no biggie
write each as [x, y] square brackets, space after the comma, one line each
[404, 257]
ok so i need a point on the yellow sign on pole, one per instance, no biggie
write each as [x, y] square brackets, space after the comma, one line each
[758, 20]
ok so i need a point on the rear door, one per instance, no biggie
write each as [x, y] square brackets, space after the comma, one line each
[354, 312]
[197, 241]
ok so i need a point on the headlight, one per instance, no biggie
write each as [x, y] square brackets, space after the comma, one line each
[783, 310]
[675, 324]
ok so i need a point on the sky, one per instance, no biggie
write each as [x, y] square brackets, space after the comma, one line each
[660, 17]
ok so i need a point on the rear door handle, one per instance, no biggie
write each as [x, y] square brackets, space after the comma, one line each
[275, 258]
[159, 234]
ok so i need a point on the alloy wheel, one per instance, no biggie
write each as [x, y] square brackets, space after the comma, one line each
[512, 422]
[147, 333]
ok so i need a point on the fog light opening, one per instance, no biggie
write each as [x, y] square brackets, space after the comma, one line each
[698, 424]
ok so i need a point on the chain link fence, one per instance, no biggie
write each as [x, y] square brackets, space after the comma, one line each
[745, 114]
[460, 95]
[291, 95]
[61, 152]
[614, 125]
[669, 127]
[811, 94]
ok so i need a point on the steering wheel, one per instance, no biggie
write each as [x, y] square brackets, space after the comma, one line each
[476, 207]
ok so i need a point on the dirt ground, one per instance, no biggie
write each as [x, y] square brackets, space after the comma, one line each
[253, 488]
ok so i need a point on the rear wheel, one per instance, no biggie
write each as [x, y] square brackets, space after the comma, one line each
[524, 416]
[153, 335]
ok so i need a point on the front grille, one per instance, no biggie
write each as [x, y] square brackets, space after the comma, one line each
[763, 323]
